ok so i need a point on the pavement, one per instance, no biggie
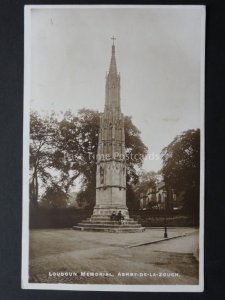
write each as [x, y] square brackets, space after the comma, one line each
[69, 256]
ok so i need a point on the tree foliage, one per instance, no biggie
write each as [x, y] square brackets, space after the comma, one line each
[43, 144]
[54, 197]
[181, 167]
[135, 150]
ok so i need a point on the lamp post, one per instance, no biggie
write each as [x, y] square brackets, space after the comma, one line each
[165, 208]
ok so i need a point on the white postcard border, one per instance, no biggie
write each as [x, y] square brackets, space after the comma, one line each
[26, 120]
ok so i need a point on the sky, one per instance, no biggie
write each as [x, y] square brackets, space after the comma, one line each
[158, 53]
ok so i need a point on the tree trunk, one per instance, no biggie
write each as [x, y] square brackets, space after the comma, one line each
[34, 191]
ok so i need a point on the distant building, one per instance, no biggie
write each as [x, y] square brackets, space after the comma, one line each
[158, 198]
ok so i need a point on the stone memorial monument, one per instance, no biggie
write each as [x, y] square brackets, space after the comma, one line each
[111, 164]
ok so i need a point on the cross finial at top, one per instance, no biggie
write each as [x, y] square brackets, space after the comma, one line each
[113, 39]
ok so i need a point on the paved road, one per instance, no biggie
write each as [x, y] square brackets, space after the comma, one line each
[169, 262]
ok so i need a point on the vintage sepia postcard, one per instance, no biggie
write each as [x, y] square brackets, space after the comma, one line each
[113, 161]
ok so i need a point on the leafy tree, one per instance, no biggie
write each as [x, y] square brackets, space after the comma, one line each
[181, 167]
[135, 150]
[69, 159]
[80, 142]
[54, 153]
[42, 147]
[54, 197]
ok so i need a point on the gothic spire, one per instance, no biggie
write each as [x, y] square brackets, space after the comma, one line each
[112, 91]
[113, 68]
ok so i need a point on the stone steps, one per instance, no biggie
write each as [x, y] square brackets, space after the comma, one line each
[103, 225]
[108, 222]
[92, 218]
[110, 229]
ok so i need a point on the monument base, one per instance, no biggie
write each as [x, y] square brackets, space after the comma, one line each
[101, 221]
[110, 229]
[107, 211]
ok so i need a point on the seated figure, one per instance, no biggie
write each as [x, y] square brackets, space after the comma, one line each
[113, 216]
[120, 217]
